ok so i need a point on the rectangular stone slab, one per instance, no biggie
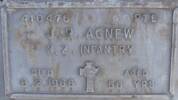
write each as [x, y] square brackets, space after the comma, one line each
[88, 52]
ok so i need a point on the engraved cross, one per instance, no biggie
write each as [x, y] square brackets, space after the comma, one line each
[89, 71]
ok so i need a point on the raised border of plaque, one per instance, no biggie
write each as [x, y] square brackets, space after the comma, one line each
[87, 97]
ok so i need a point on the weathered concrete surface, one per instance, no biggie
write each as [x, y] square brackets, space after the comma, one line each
[33, 49]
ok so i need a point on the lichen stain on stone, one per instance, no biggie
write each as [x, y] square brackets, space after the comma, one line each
[109, 19]
[80, 18]
[67, 16]
[30, 41]
[164, 33]
[176, 84]
[90, 17]
[58, 33]
[56, 69]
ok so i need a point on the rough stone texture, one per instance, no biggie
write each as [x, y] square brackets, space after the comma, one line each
[31, 50]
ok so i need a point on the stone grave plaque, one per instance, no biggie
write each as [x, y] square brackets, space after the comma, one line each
[88, 52]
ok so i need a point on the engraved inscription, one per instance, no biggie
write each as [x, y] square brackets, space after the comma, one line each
[110, 49]
[88, 51]
[118, 34]
[146, 17]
